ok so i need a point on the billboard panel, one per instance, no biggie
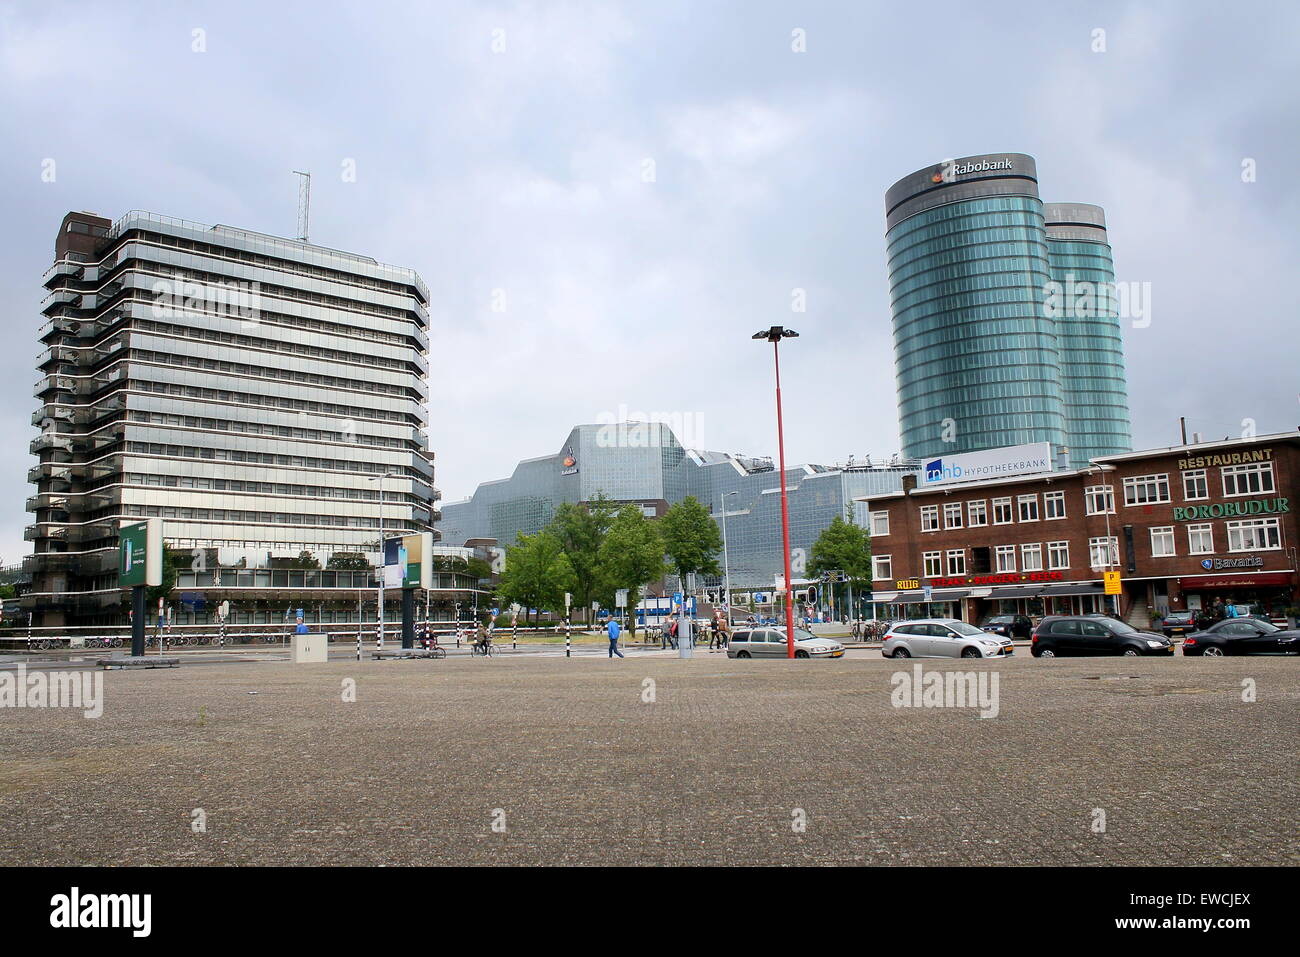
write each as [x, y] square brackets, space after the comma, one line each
[1013, 460]
[139, 554]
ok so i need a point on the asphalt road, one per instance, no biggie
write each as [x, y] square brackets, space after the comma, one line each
[535, 759]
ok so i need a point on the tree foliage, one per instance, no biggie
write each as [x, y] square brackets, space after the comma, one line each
[580, 530]
[691, 538]
[843, 546]
[631, 555]
[537, 573]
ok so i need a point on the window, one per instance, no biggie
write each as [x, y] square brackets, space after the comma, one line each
[1195, 485]
[933, 564]
[1031, 558]
[1248, 479]
[1002, 511]
[1162, 542]
[952, 515]
[930, 518]
[1006, 557]
[1058, 555]
[1028, 508]
[882, 568]
[957, 561]
[1146, 489]
[976, 513]
[1053, 505]
[1254, 534]
[1200, 539]
[1099, 499]
[879, 524]
[1097, 552]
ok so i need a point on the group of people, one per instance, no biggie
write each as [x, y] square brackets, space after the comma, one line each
[718, 628]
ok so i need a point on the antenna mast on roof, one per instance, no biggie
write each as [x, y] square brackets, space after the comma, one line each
[304, 203]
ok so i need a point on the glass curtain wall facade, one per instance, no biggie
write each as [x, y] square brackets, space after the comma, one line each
[250, 391]
[980, 362]
[1093, 382]
[645, 464]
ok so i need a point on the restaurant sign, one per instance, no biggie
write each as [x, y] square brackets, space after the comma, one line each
[1257, 506]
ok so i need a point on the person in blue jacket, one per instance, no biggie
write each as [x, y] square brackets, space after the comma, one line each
[613, 631]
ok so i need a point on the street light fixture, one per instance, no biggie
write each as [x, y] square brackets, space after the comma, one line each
[774, 335]
[726, 567]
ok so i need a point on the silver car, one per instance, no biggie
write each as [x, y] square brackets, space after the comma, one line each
[770, 642]
[943, 638]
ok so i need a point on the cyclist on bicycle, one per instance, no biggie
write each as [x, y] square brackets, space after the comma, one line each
[484, 639]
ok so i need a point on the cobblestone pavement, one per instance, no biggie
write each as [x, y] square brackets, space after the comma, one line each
[732, 762]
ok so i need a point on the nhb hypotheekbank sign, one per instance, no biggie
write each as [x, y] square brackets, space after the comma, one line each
[1032, 459]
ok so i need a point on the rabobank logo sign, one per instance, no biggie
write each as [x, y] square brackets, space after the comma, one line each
[1013, 460]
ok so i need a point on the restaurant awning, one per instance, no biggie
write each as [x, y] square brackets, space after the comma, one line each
[1078, 588]
[981, 592]
[883, 597]
[1016, 592]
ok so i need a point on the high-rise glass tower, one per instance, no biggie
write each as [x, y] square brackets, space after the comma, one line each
[255, 393]
[981, 360]
[1093, 385]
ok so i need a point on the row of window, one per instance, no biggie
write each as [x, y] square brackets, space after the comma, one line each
[1238, 480]
[1246, 535]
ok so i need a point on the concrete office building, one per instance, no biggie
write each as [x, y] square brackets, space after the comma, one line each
[1006, 330]
[646, 465]
[255, 393]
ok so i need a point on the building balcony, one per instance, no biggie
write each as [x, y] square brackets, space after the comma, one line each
[60, 298]
[63, 269]
[50, 440]
[45, 530]
[54, 383]
[46, 500]
[50, 412]
[94, 532]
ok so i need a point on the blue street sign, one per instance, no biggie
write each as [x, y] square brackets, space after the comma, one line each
[677, 597]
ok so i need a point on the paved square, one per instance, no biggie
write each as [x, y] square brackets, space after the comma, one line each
[718, 769]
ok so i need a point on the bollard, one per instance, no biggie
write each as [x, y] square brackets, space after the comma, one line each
[566, 638]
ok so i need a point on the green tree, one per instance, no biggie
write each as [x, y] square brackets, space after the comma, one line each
[348, 561]
[580, 529]
[843, 546]
[537, 573]
[306, 560]
[478, 568]
[691, 539]
[171, 566]
[631, 555]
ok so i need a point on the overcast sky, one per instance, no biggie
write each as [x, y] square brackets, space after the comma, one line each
[643, 185]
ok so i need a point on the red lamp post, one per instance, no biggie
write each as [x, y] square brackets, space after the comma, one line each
[774, 336]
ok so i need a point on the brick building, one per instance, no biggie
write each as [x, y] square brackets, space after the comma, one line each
[1184, 526]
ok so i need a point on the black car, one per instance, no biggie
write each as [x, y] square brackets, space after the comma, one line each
[1068, 635]
[1178, 623]
[1242, 636]
[1009, 626]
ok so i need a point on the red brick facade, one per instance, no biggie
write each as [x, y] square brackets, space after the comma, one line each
[1230, 504]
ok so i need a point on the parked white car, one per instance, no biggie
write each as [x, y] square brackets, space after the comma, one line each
[771, 642]
[943, 638]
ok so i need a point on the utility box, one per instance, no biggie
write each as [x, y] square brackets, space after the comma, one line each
[309, 649]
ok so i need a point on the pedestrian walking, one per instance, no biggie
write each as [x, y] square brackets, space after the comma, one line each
[613, 631]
